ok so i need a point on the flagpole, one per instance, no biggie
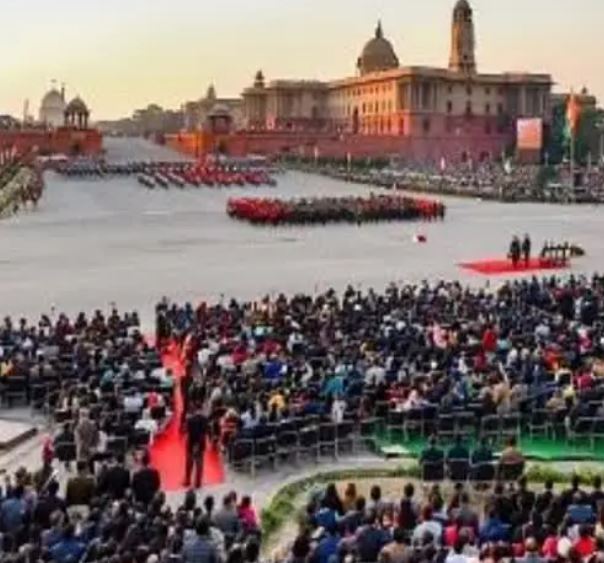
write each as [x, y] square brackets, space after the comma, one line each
[572, 158]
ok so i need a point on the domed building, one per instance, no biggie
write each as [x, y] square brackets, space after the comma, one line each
[76, 114]
[52, 108]
[378, 54]
[196, 113]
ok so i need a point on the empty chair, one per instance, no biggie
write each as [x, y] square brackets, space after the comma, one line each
[465, 422]
[308, 442]
[510, 425]
[429, 420]
[366, 434]
[328, 438]
[394, 422]
[414, 422]
[241, 454]
[490, 427]
[446, 426]
[597, 431]
[482, 474]
[458, 470]
[433, 471]
[538, 423]
[265, 451]
[39, 396]
[286, 444]
[581, 429]
[344, 438]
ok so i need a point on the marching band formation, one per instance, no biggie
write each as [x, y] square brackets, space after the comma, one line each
[176, 174]
[351, 209]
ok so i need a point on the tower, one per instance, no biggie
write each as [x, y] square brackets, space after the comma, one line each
[462, 39]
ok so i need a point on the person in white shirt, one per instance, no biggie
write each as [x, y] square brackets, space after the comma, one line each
[133, 402]
[147, 423]
[337, 410]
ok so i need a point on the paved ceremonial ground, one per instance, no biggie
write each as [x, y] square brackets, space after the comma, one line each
[94, 242]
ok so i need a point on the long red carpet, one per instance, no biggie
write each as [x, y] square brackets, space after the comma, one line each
[168, 450]
[505, 266]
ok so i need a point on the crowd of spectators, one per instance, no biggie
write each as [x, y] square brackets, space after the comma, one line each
[531, 347]
[119, 514]
[97, 377]
[512, 522]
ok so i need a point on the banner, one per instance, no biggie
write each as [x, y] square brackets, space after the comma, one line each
[529, 133]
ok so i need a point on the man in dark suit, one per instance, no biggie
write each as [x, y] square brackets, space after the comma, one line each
[146, 481]
[115, 480]
[197, 429]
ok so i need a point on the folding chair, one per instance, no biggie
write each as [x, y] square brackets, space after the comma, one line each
[366, 434]
[446, 427]
[490, 427]
[582, 428]
[308, 442]
[328, 438]
[538, 422]
[241, 454]
[482, 474]
[414, 421]
[510, 426]
[344, 437]
[394, 422]
[458, 470]
[597, 431]
[433, 471]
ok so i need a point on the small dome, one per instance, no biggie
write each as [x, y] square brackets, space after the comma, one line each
[462, 6]
[378, 54]
[76, 105]
[259, 80]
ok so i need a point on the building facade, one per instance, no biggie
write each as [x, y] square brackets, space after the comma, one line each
[413, 102]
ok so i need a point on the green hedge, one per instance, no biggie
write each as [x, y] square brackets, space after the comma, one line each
[282, 506]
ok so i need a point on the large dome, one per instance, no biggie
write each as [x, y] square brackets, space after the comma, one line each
[53, 100]
[52, 108]
[378, 54]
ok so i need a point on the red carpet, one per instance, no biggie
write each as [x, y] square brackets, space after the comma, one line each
[168, 450]
[504, 266]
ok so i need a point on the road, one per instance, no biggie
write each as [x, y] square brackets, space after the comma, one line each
[95, 242]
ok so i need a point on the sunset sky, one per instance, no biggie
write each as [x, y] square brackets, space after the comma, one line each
[123, 54]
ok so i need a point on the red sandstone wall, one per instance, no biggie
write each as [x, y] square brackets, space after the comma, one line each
[65, 141]
[463, 138]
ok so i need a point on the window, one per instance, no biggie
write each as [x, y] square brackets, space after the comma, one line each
[500, 109]
[487, 91]
[487, 109]
[363, 108]
[449, 106]
[450, 89]
[426, 125]
[468, 108]
[469, 90]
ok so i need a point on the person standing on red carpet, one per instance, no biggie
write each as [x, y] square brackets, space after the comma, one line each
[197, 431]
[526, 250]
